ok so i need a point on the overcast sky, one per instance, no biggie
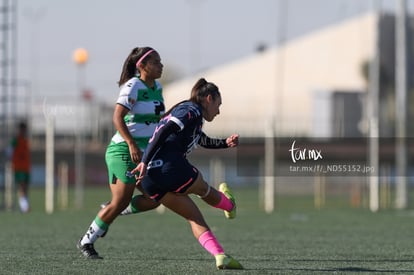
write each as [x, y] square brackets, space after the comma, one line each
[190, 35]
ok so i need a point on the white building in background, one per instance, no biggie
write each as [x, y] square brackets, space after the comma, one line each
[290, 83]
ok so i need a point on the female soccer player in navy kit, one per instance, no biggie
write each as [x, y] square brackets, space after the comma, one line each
[169, 177]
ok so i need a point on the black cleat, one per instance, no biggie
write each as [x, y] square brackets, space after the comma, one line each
[88, 251]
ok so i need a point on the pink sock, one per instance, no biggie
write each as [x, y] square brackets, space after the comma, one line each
[225, 203]
[210, 243]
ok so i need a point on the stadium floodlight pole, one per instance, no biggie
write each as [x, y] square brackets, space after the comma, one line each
[50, 166]
[373, 103]
[274, 125]
[4, 114]
[80, 57]
[33, 16]
[269, 158]
[401, 105]
[13, 58]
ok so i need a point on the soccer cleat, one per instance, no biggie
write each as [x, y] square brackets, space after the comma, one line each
[226, 191]
[88, 251]
[224, 261]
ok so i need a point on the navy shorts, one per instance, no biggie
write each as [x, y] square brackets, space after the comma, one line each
[171, 174]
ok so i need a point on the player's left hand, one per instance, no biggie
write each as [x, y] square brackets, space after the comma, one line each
[233, 140]
[140, 172]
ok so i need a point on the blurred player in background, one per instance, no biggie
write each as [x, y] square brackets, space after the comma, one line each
[19, 152]
[137, 112]
[169, 176]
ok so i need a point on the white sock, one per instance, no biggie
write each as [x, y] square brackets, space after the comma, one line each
[93, 233]
[24, 204]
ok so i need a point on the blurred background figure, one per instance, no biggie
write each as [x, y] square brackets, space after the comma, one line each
[19, 153]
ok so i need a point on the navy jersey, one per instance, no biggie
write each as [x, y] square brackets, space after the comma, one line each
[188, 116]
[174, 138]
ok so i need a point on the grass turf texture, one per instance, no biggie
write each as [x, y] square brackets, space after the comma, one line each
[296, 239]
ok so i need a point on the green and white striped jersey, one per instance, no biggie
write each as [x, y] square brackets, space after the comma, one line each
[145, 104]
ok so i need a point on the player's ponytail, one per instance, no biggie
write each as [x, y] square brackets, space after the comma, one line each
[129, 69]
[200, 90]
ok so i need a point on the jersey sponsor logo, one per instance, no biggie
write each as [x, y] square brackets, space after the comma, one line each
[155, 164]
[159, 107]
[145, 95]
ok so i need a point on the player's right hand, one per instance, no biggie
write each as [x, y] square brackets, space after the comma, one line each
[135, 153]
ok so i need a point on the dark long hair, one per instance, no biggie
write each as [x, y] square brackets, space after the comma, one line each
[200, 90]
[129, 69]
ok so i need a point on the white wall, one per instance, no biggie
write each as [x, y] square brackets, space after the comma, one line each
[282, 81]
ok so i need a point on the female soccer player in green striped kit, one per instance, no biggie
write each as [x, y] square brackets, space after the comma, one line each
[137, 111]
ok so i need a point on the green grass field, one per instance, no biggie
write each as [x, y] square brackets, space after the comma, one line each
[295, 239]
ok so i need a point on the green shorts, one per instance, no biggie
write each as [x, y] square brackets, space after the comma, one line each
[20, 177]
[119, 163]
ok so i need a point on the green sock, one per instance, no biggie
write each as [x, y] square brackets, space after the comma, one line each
[97, 228]
[102, 225]
[134, 199]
